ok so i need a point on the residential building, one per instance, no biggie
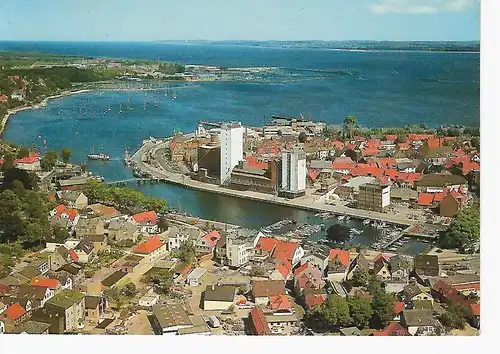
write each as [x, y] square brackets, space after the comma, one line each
[258, 324]
[180, 234]
[286, 252]
[240, 245]
[121, 230]
[13, 316]
[69, 304]
[313, 300]
[219, 297]
[293, 173]
[38, 295]
[99, 242]
[145, 221]
[90, 227]
[350, 331]
[207, 243]
[74, 199]
[231, 148]
[392, 329]
[381, 269]
[466, 284]
[51, 283]
[171, 318]
[400, 269]
[94, 308]
[262, 290]
[419, 322]
[426, 265]
[414, 291]
[149, 300]
[374, 196]
[338, 264]
[307, 277]
[154, 249]
[84, 250]
[318, 258]
[31, 327]
[282, 323]
[60, 257]
[359, 262]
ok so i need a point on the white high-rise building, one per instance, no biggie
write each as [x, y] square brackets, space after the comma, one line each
[293, 172]
[231, 148]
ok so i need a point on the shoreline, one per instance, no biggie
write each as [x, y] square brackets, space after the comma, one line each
[43, 103]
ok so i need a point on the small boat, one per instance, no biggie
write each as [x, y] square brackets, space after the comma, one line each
[341, 217]
[102, 157]
[366, 221]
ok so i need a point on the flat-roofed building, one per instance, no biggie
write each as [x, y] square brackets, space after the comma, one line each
[374, 196]
[171, 318]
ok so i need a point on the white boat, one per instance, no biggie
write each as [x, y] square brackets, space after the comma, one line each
[341, 217]
[366, 221]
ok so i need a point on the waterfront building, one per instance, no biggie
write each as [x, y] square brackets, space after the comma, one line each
[293, 173]
[374, 196]
[231, 148]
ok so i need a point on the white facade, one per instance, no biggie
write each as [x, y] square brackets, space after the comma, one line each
[231, 148]
[293, 170]
[240, 249]
[386, 196]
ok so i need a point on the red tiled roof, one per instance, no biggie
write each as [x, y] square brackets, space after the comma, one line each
[392, 329]
[387, 162]
[15, 311]
[469, 166]
[280, 302]
[435, 143]
[404, 146]
[475, 309]
[300, 269]
[374, 143]
[370, 151]
[425, 199]
[27, 160]
[45, 282]
[212, 238]
[398, 307]
[283, 269]
[390, 137]
[253, 162]
[3, 98]
[315, 300]
[259, 322]
[381, 256]
[474, 286]
[146, 217]
[313, 173]
[419, 137]
[73, 255]
[278, 248]
[149, 246]
[342, 255]
[62, 209]
[336, 143]
[342, 165]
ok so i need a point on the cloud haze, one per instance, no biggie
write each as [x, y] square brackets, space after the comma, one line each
[420, 6]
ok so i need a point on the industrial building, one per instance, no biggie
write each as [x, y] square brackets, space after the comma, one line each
[374, 196]
[231, 148]
[293, 173]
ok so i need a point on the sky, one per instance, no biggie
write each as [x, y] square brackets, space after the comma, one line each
[150, 20]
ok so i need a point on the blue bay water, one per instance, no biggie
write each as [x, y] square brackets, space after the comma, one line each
[383, 89]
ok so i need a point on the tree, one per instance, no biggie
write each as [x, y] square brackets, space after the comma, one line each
[463, 231]
[400, 139]
[8, 161]
[360, 277]
[186, 252]
[66, 154]
[302, 137]
[257, 271]
[350, 122]
[18, 188]
[129, 290]
[23, 152]
[476, 143]
[28, 179]
[49, 160]
[383, 307]
[334, 311]
[161, 279]
[163, 224]
[360, 311]
[454, 317]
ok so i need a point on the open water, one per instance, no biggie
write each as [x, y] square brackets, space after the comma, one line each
[381, 88]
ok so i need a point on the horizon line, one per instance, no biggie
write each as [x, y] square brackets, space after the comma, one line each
[244, 40]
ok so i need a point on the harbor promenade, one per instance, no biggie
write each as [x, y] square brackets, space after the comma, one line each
[163, 173]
